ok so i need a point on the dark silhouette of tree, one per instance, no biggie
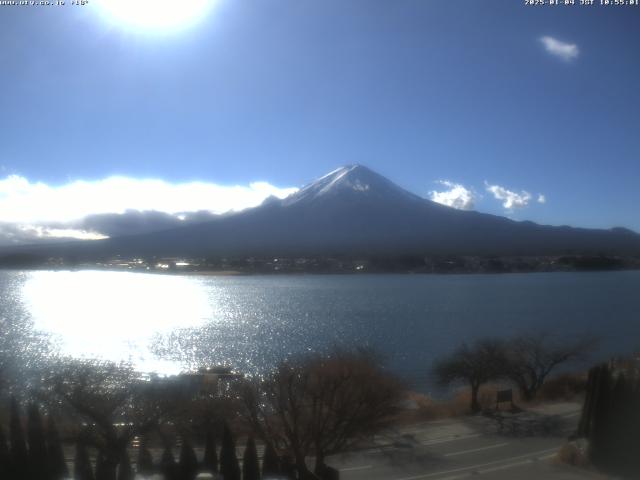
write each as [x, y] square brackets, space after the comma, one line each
[531, 358]
[4, 455]
[229, 467]
[250, 465]
[104, 470]
[474, 365]
[588, 407]
[600, 444]
[38, 462]
[125, 472]
[322, 405]
[109, 397]
[144, 464]
[19, 463]
[611, 420]
[270, 462]
[188, 465]
[210, 460]
[288, 469]
[168, 465]
[55, 454]
[328, 473]
[82, 465]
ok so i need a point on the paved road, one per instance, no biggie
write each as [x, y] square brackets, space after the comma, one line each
[524, 448]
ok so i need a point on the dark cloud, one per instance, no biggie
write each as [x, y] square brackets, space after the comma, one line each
[12, 234]
[132, 222]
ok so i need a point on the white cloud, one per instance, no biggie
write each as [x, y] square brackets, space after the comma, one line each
[542, 198]
[22, 201]
[558, 48]
[36, 210]
[16, 234]
[456, 196]
[510, 200]
[41, 231]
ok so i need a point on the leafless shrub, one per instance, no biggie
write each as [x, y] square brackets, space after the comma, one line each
[322, 405]
[531, 358]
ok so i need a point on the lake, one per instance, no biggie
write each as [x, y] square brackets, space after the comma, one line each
[252, 322]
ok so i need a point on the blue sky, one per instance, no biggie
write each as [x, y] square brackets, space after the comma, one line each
[283, 91]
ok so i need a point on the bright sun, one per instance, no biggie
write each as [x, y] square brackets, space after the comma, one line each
[155, 14]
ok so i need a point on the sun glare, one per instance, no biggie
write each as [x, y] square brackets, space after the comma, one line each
[160, 15]
[114, 315]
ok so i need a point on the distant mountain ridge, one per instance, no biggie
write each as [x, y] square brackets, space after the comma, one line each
[355, 211]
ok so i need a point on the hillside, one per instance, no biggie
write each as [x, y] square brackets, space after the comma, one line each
[355, 211]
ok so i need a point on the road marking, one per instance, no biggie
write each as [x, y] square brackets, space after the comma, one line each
[451, 439]
[420, 427]
[573, 414]
[501, 467]
[476, 449]
[476, 467]
[351, 469]
[516, 464]
[378, 450]
[386, 448]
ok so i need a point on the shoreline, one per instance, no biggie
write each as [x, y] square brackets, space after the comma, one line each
[241, 273]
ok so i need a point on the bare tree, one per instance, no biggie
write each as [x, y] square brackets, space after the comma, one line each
[531, 358]
[111, 401]
[322, 405]
[474, 364]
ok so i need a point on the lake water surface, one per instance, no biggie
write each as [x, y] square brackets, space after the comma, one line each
[251, 322]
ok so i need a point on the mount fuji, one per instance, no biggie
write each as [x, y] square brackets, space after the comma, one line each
[355, 211]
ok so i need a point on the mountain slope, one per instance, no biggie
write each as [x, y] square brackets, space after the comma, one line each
[355, 211]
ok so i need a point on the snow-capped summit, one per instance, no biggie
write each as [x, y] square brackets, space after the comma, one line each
[348, 183]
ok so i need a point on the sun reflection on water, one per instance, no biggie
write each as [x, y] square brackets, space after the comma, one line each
[114, 315]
